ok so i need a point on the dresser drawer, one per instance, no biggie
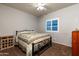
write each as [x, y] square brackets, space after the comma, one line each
[6, 42]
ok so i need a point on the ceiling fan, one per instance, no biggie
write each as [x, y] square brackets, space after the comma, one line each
[40, 6]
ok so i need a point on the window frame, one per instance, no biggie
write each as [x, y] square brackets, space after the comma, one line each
[51, 25]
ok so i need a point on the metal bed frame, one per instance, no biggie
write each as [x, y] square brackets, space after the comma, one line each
[45, 47]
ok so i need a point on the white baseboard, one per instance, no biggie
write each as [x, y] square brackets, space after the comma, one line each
[62, 43]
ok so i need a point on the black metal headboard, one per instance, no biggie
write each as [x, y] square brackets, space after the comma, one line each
[22, 31]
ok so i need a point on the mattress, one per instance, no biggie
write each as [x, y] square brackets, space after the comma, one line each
[30, 37]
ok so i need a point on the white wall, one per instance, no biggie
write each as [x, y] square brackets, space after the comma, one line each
[69, 20]
[12, 19]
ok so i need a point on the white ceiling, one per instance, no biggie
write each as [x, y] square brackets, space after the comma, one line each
[29, 7]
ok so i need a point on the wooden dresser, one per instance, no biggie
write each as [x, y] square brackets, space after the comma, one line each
[6, 42]
[75, 43]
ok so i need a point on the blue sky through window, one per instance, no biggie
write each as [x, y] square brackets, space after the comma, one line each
[52, 25]
[48, 23]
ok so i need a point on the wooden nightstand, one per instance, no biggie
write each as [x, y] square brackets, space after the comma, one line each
[6, 42]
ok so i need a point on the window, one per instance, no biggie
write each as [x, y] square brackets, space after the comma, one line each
[52, 25]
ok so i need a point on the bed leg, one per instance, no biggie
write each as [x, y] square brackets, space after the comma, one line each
[50, 41]
[32, 49]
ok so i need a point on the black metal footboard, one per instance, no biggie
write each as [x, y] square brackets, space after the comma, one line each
[47, 43]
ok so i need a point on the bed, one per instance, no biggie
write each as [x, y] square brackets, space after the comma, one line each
[32, 42]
